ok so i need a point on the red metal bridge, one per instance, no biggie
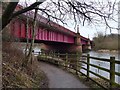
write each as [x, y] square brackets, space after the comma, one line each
[44, 32]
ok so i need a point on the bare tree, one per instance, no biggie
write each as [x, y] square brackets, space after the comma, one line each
[27, 27]
[9, 13]
[33, 35]
[91, 12]
[28, 58]
[81, 11]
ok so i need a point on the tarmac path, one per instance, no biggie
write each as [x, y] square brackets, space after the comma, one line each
[59, 78]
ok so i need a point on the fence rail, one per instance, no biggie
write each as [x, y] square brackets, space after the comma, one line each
[72, 61]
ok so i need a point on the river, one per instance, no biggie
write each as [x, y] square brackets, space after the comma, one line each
[103, 64]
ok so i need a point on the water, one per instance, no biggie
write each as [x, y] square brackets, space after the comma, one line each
[36, 51]
[103, 64]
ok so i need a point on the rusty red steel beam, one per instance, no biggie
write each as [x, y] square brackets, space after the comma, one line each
[57, 27]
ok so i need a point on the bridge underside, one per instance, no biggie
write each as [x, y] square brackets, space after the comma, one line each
[56, 46]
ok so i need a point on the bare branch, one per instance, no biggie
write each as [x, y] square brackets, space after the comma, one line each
[7, 13]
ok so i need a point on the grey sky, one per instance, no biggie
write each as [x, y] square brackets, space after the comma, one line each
[87, 29]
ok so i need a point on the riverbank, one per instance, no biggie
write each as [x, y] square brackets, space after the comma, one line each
[106, 43]
[108, 51]
[103, 64]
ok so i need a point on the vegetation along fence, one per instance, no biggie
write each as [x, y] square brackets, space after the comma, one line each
[73, 61]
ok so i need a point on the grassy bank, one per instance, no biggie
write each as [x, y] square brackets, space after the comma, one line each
[14, 75]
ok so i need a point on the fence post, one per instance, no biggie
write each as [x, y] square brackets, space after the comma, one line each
[53, 54]
[88, 67]
[39, 53]
[77, 58]
[43, 55]
[112, 72]
[46, 56]
[66, 61]
[58, 56]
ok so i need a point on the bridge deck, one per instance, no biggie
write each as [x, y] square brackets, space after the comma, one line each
[43, 31]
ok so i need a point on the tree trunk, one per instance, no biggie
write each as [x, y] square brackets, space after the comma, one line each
[29, 56]
[8, 13]
[27, 43]
[27, 27]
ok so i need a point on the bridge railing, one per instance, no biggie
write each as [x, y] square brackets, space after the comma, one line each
[73, 62]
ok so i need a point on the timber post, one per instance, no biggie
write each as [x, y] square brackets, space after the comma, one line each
[77, 59]
[46, 56]
[39, 53]
[53, 54]
[112, 72]
[88, 67]
[66, 61]
[58, 56]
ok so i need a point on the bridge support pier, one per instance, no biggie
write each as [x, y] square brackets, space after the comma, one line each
[89, 45]
[86, 47]
[78, 43]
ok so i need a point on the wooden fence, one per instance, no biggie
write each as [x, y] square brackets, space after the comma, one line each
[73, 61]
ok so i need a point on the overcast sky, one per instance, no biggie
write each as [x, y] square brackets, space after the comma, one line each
[84, 30]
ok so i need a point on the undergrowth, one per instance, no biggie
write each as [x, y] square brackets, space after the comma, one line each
[14, 75]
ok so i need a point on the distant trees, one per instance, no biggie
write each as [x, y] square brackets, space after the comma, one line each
[106, 42]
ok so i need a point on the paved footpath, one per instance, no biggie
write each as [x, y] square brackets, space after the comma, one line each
[58, 78]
